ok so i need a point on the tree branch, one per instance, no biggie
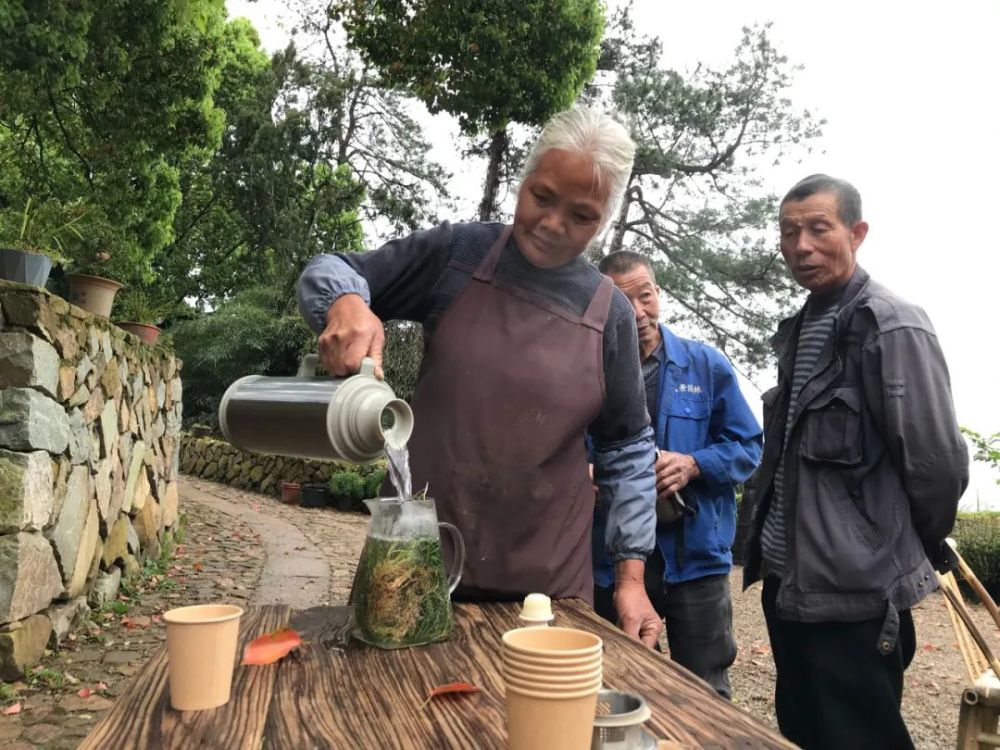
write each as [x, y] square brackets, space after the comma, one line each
[87, 169]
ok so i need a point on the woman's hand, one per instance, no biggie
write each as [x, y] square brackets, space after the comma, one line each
[636, 615]
[352, 333]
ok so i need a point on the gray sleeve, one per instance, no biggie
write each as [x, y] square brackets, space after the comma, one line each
[623, 414]
[395, 280]
[325, 280]
[910, 379]
[626, 481]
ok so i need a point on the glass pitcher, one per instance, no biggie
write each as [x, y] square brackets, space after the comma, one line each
[401, 594]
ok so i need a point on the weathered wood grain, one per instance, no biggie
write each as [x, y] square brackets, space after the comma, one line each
[142, 716]
[685, 708]
[368, 698]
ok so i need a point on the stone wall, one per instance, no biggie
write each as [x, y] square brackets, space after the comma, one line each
[89, 450]
[218, 461]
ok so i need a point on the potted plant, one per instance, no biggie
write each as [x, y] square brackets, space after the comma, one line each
[139, 313]
[32, 239]
[90, 289]
[290, 492]
[97, 268]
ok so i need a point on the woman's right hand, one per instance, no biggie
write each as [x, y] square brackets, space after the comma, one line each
[352, 333]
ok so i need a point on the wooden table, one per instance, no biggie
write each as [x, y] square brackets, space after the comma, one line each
[368, 698]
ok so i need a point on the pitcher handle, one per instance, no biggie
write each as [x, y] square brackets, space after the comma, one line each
[456, 567]
[308, 365]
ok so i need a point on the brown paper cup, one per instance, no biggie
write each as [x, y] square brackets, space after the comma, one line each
[543, 685]
[201, 653]
[552, 666]
[551, 675]
[544, 721]
[552, 643]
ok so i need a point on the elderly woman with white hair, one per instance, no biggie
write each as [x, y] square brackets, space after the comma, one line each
[527, 349]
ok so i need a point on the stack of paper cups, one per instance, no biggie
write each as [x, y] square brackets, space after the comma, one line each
[552, 676]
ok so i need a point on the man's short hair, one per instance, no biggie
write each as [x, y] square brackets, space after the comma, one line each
[848, 197]
[624, 261]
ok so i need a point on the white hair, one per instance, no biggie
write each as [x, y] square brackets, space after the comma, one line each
[591, 132]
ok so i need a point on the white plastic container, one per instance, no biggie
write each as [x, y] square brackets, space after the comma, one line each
[536, 612]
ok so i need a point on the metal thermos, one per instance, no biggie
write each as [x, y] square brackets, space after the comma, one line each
[305, 416]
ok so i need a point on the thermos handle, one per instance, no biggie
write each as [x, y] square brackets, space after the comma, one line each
[309, 363]
[456, 566]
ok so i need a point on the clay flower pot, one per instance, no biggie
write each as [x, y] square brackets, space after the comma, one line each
[290, 492]
[146, 332]
[95, 294]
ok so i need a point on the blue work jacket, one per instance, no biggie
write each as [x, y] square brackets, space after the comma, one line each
[700, 411]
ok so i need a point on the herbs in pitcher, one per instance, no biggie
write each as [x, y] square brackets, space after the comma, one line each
[401, 596]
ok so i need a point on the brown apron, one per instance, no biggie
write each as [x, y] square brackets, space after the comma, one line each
[510, 382]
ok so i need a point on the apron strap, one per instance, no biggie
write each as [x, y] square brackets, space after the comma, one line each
[597, 311]
[599, 307]
[488, 267]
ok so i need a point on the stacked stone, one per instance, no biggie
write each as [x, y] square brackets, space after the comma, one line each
[89, 451]
[218, 461]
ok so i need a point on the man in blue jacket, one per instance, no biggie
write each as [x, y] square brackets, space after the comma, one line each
[709, 442]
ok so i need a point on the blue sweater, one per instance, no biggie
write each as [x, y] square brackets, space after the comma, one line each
[701, 412]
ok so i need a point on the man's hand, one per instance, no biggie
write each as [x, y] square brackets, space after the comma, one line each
[673, 472]
[636, 615]
[352, 333]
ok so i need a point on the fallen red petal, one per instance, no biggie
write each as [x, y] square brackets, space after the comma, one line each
[84, 692]
[452, 688]
[11, 710]
[270, 647]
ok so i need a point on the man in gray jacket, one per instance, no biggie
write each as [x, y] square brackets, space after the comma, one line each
[859, 484]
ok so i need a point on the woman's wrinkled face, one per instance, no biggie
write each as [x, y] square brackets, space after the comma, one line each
[560, 209]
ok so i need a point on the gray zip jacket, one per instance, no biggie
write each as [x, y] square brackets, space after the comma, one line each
[874, 465]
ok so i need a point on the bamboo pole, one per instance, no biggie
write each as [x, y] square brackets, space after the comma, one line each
[963, 613]
[976, 584]
[975, 665]
[978, 695]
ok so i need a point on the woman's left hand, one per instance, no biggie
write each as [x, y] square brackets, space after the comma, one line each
[636, 615]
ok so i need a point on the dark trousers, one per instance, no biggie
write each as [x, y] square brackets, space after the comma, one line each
[835, 689]
[699, 619]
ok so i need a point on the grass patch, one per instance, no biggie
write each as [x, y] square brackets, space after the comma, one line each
[8, 694]
[45, 677]
[117, 607]
[181, 525]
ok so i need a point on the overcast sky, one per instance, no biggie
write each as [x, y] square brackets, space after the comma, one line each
[909, 92]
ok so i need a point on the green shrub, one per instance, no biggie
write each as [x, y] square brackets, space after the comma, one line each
[347, 486]
[978, 537]
[257, 332]
[402, 356]
[373, 483]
